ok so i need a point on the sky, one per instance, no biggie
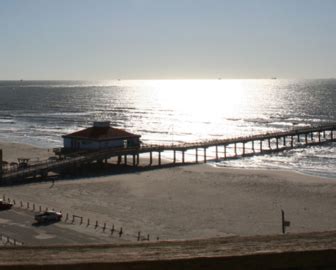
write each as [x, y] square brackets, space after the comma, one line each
[160, 39]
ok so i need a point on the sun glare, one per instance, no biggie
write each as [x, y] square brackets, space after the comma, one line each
[200, 98]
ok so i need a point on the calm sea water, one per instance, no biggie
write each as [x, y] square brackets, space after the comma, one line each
[40, 112]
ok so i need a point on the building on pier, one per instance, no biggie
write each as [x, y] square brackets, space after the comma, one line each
[100, 136]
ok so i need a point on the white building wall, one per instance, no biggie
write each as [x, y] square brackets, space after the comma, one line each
[78, 144]
[67, 142]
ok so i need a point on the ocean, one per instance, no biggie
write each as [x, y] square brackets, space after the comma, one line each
[175, 111]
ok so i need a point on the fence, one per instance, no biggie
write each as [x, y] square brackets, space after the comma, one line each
[9, 241]
[112, 230]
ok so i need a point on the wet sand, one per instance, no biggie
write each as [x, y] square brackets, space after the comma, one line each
[195, 201]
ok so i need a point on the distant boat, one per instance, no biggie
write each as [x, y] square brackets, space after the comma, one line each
[273, 78]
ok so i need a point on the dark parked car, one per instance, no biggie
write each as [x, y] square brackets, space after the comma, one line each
[5, 205]
[48, 216]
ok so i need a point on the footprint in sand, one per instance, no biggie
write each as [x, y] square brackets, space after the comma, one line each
[3, 221]
[44, 235]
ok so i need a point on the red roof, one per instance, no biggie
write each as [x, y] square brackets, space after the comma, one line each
[101, 133]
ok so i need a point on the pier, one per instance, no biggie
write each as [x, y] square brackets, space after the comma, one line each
[201, 152]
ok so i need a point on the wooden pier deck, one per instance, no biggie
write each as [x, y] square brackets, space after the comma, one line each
[222, 149]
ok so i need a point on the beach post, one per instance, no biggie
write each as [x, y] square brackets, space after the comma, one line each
[88, 223]
[120, 232]
[112, 230]
[139, 235]
[285, 223]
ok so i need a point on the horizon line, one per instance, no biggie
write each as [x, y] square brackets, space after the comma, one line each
[175, 79]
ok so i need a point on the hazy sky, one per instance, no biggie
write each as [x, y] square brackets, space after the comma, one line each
[160, 39]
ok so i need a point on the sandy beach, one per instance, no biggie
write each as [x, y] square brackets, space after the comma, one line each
[189, 202]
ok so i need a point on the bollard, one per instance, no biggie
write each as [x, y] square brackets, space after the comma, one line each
[139, 235]
[27, 205]
[112, 230]
[73, 219]
[21, 205]
[104, 227]
[96, 224]
[81, 222]
[147, 237]
[120, 232]
[88, 223]
[157, 238]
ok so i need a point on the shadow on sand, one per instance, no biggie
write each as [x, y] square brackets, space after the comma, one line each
[43, 224]
[90, 171]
